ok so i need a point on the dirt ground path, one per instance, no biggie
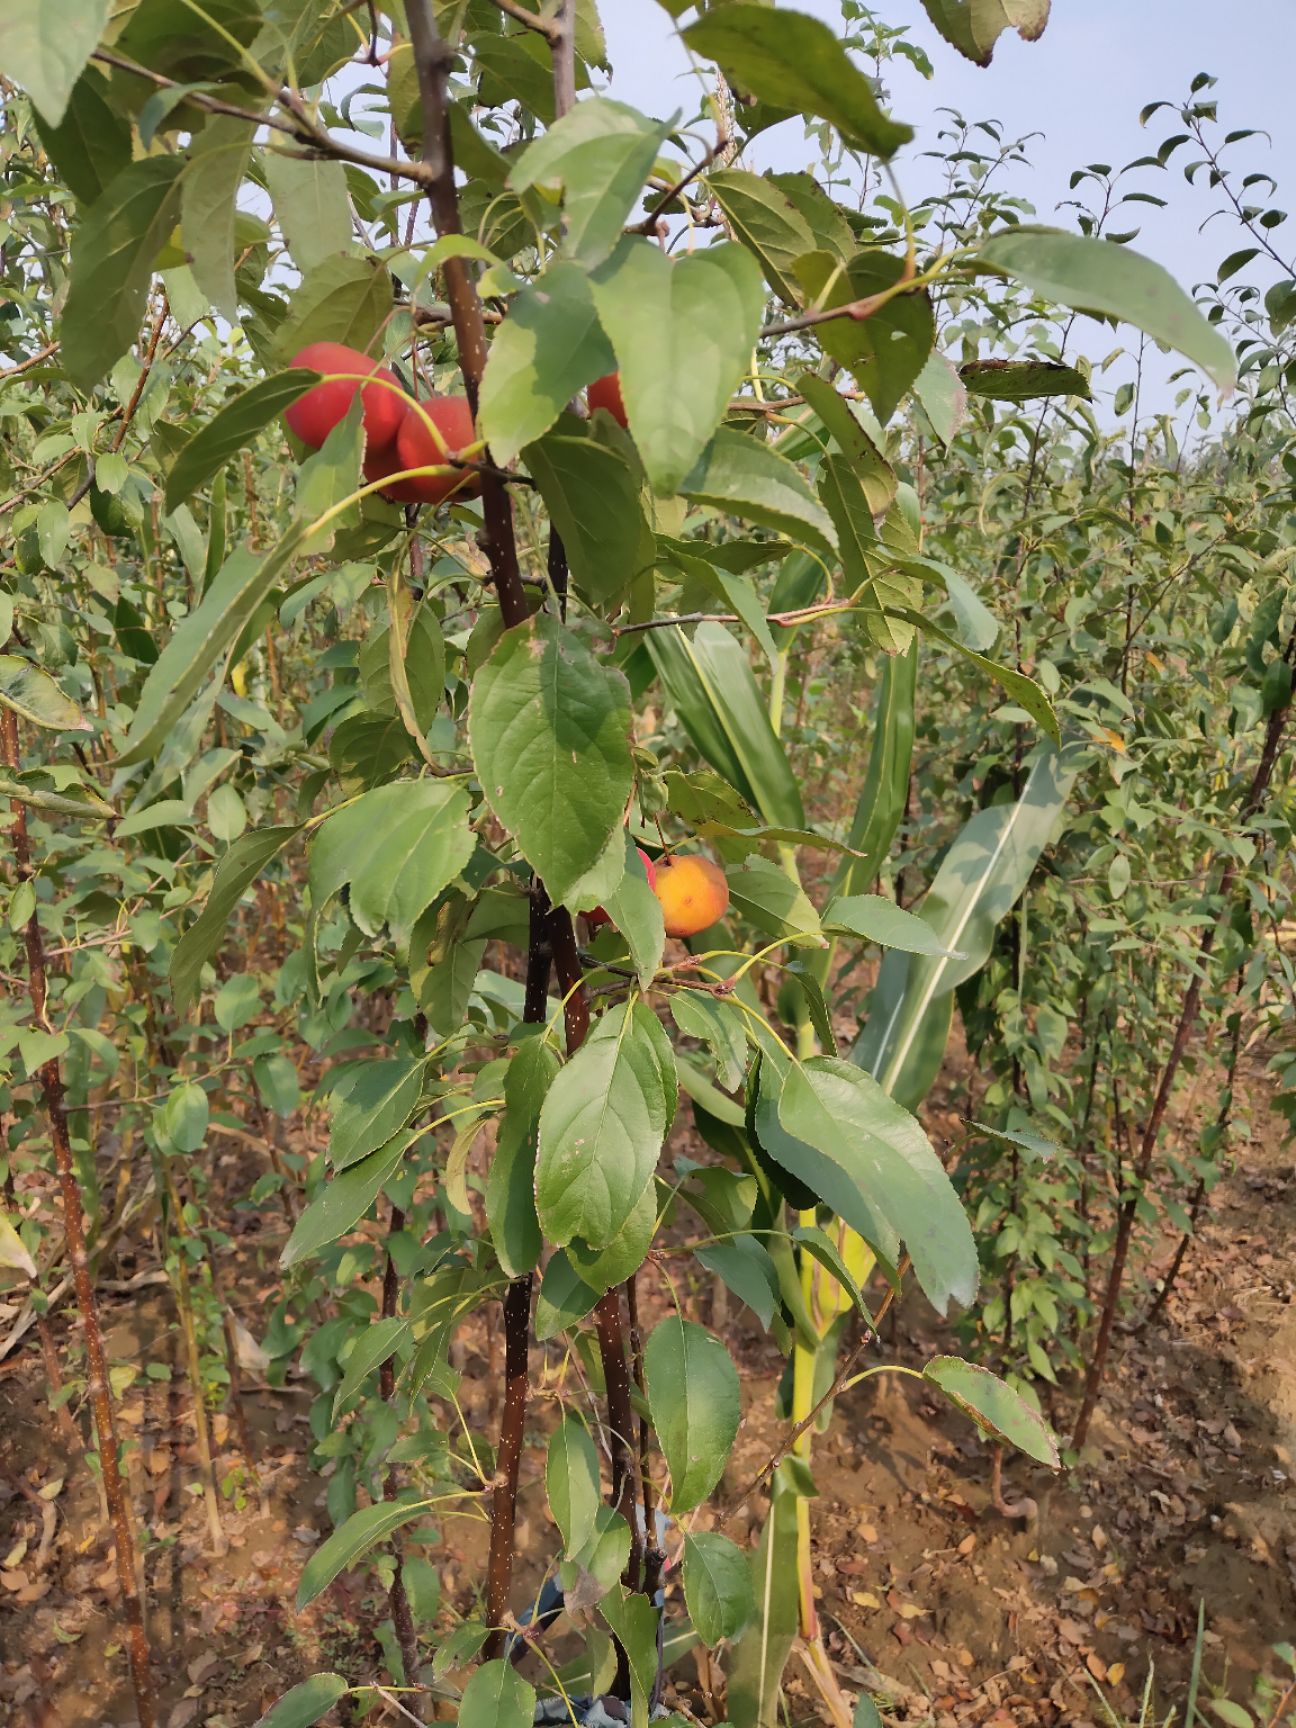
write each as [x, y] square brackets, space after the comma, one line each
[930, 1597]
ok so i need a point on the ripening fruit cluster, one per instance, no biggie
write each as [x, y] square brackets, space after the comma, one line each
[399, 433]
[691, 890]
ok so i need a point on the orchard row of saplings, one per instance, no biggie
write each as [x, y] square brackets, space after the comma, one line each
[417, 447]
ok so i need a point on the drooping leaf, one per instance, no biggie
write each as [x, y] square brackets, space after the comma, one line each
[1101, 277]
[510, 1183]
[548, 349]
[848, 1118]
[13, 1251]
[943, 396]
[881, 804]
[762, 1653]
[764, 893]
[348, 1544]
[379, 1340]
[92, 143]
[1022, 689]
[592, 488]
[737, 474]
[601, 1130]
[797, 64]
[974, 26]
[682, 331]
[33, 695]
[196, 645]
[311, 204]
[994, 1406]
[44, 44]
[343, 1202]
[767, 222]
[714, 694]
[113, 253]
[397, 847]
[693, 1394]
[637, 914]
[980, 879]
[231, 429]
[208, 188]
[600, 154]
[886, 351]
[345, 298]
[235, 873]
[549, 728]
[717, 1586]
[572, 1482]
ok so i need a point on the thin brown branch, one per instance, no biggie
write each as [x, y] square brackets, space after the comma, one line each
[98, 1386]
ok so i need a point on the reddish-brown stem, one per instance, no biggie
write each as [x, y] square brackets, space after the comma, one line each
[1183, 1031]
[397, 1596]
[98, 1391]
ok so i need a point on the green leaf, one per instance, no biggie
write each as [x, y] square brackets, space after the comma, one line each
[44, 45]
[874, 918]
[235, 873]
[343, 1202]
[860, 448]
[1022, 380]
[113, 253]
[761, 1656]
[342, 299]
[591, 486]
[797, 64]
[768, 224]
[744, 1265]
[305, 1703]
[695, 1403]
[717, 1586]
[379, 1340]
[600, 1268]
[881, 804]
[231, 429]
[635, 1622]
[549, 727]
[715, 697]
[564, 1297]
[995, 1408]
[200, 641]
[549, 347]
[820, 1247]
[637, 914]
[372, 1101]
[13, 1252]
[885, 352]
[397, 847]
[980, 879]
[184, 1116]
[741, 476]
[311, 204]
[208, 189]
[572, 1482]
[92, 143]
[33, 695]
[722, 1025]
[350, 1543]
[599, 154]
[943, 396]
[764, 893]
[683, 331]
[847, 1117]
[497, 1697]
[601, 1131]
[510, 1183]
[974, 26]
[1100, 277]
[1023, 690]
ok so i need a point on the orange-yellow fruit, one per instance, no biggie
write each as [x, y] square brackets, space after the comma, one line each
[313, 416]
[605, 392]
[693, 894]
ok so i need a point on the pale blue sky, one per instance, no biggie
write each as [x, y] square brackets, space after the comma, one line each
[1081, 86]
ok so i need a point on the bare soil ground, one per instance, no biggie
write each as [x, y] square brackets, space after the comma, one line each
[930, 1598]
